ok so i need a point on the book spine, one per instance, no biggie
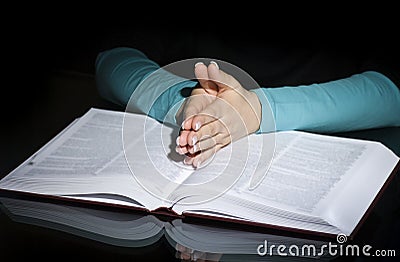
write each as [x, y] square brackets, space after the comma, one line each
[165, 214]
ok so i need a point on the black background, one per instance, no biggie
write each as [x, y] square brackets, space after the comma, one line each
[43, 46]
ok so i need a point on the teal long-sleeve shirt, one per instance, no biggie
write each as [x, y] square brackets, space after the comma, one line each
[361, 101]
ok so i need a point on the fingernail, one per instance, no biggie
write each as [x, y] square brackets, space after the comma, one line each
[183, 125]
[214, 63]
[177, 140]
[185, 161]
[198, 164]
[194, 140]
[195, 148]
[197, 126]
[198, 63]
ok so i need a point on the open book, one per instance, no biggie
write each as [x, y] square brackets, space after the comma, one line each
[314, 184]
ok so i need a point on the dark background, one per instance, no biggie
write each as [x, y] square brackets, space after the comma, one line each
[48, 80]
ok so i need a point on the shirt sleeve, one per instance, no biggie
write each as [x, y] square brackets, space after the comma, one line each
[119, 73]
[361, 101]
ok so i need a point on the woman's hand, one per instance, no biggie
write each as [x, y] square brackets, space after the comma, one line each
[218, 113]
[188, 254]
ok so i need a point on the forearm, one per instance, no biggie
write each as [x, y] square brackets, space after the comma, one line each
[362, 101]
[121, 72]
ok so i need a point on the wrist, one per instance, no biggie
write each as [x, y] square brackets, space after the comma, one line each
[256, 113]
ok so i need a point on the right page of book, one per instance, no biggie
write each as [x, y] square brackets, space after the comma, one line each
[315, 182]
[366, 167]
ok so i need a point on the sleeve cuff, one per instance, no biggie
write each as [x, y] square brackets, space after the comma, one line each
[267, 124]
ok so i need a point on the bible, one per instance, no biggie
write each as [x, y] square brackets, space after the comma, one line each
[309, 183]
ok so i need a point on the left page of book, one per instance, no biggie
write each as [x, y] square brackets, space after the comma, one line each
[85, 161]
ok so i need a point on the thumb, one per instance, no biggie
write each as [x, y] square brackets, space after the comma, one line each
[201, 73]
[221, 79]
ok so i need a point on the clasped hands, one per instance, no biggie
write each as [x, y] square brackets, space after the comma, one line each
[218, 112]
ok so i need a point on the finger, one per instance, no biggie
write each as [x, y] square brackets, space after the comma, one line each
[187, 123]
[209, 142]
[222, 79]
[209, 130]
[201, 159]
[182, 139]
[182, 252]
[201, 73]
[188, 160]
[182, 150]
[214, 111]
[185, 256]
[180, 248]
[203, 144]
[198, 256]
[191, 107]
[202, 119]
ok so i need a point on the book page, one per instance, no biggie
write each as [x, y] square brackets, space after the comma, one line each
[297, 179]
[349, 199]
[85, 161]
[149, 148]
[314, 183]
[305, 168]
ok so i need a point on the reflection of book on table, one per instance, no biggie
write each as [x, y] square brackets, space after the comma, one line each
[130, 229]
[315, 184]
